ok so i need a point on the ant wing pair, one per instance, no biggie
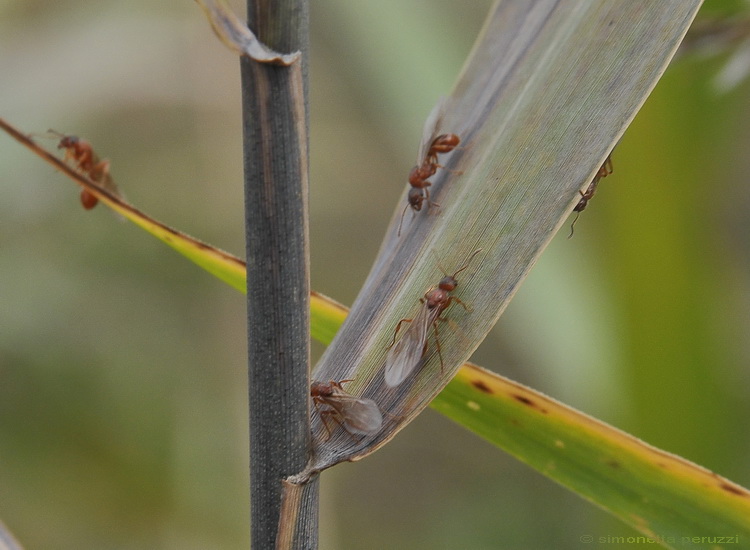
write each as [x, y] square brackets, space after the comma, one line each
[357, 415]
[406, 354]
[430, 147]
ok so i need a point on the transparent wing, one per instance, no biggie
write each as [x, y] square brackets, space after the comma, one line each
[108, 183]
[406, 354]
[430, 129]
[359, 414]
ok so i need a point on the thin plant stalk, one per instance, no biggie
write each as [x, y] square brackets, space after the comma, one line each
[274, 101]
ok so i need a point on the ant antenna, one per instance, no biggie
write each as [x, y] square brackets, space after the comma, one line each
[572, 225]
[437, 261]
[468, 261]
[401, 221]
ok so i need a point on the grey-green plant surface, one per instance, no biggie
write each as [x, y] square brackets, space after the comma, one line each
[546, 94]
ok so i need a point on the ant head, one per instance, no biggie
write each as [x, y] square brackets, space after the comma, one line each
[448, 283]
[416, 198]
[68, 141]
[320, 389]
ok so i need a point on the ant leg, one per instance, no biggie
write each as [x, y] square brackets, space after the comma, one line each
[398, 327]
[437, 345]
[451, 170]
[99, 171]
[430, 204]
[84, 158]
[325, 416]
[336, 417]
[606, 168]
[463, 305]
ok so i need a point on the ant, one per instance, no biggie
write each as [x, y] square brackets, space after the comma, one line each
[357, 415]
[586, 196]
[419, 192]
[82, 155]
[405, 355]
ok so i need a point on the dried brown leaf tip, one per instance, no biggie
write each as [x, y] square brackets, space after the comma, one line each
[237, 37]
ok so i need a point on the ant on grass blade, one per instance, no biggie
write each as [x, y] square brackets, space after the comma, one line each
[357, 415]
[588, 194]
[80, 153]
[419, 192]
[427, 165]
[404, 355]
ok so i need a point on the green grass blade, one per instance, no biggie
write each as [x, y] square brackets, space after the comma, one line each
[665, 497]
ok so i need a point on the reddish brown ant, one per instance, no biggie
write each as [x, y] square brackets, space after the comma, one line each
[418, 177]
[82, 155]
[444, 143]
[405, 355]
[586, 196]
[357, 415]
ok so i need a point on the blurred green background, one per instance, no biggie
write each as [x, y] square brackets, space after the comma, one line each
[122, 366]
